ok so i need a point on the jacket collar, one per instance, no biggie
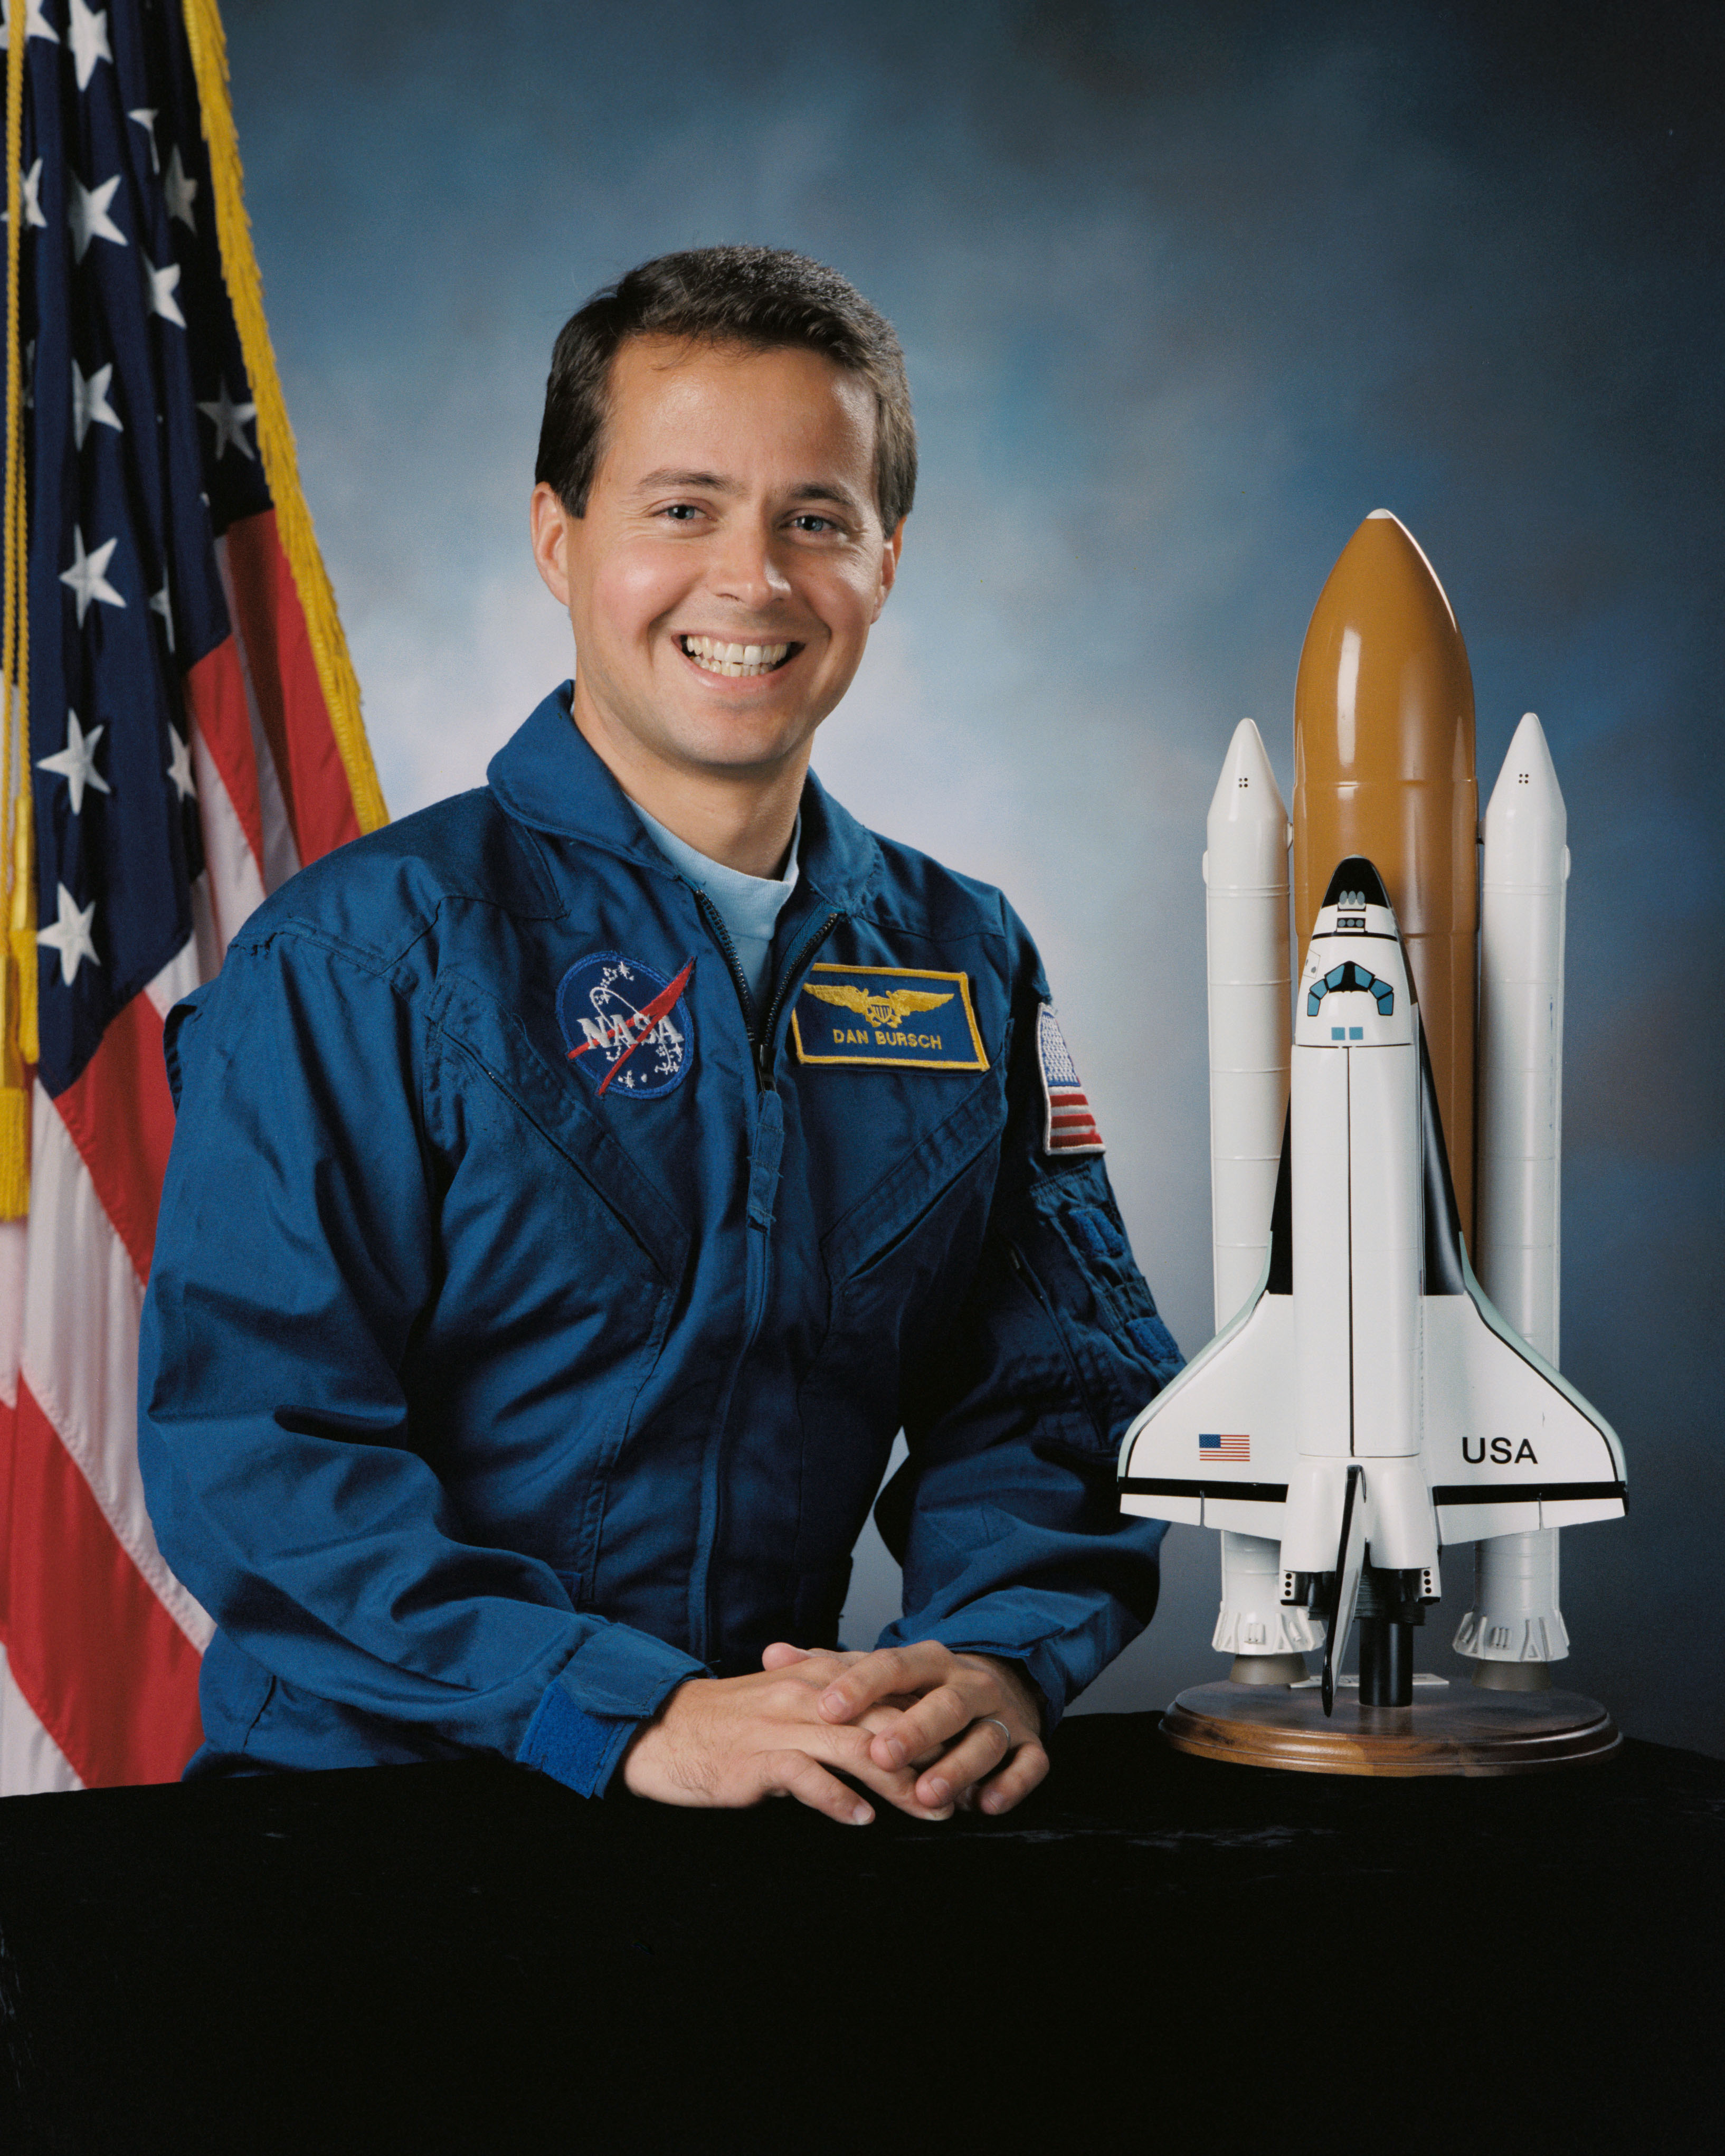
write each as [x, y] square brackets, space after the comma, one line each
[547, 775]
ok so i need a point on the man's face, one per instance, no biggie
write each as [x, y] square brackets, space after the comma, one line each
[723, 582]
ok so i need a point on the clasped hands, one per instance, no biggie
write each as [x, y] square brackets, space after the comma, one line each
[924, 1728]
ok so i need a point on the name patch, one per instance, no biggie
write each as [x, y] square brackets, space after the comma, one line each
[626, 1025]
[887, 1015]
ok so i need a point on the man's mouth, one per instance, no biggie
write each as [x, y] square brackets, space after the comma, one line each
[735, 662]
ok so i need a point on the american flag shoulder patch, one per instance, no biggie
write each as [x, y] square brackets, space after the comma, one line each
[1212, 1445]
[1068, 1124]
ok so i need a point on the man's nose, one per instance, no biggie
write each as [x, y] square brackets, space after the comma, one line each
[746, 568]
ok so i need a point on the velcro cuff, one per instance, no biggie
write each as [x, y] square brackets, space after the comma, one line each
[579, 1750]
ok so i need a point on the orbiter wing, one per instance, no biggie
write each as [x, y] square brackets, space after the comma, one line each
[1216, 1447]
[1509, 1445]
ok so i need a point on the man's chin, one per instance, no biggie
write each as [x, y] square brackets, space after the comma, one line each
[739, 767]
[733, 744]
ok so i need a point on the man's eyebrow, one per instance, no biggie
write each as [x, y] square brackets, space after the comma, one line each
[708, 482]
[826, 490]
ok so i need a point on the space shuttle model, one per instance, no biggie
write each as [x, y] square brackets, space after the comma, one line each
[1366, 1405]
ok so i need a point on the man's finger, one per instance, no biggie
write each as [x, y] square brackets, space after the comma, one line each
[845, 1745]
[887, 1670]
[782, 1654]
[847, 1748]
[1015, 1780]
[981, 1748]
[795, 1775]
[929, 1726]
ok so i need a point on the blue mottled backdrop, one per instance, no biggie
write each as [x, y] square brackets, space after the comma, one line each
[1185, 290]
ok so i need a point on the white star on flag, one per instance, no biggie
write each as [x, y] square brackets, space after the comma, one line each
[88, 575]
[228, 420]
[35, 25]
[30, 196]
[90, 403]
[179, 769]
[87, 213]
[163, 282]
[145, 117]
[179, 192]
[160, 604]
[70, 936]
[89, 33]
[76, 762]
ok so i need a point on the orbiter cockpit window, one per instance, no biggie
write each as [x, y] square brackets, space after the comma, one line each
[1351, 976]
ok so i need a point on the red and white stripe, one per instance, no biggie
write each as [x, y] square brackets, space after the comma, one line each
[99, 1668]
[1071, 1126]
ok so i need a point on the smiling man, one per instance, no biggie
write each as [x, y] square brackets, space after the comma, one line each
[578, 1185]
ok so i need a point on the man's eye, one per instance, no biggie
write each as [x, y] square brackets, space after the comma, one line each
[682, 512]
[808, 521]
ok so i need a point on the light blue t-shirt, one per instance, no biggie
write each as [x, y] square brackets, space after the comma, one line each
[748, 906]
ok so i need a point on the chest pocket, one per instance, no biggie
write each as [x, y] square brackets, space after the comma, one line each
[494, 1042]
[561, 1266]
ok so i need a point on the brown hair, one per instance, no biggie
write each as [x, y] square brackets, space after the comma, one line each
[761, 298]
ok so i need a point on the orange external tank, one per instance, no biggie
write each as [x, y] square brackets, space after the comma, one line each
[1383, 765]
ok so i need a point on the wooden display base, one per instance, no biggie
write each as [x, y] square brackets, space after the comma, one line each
[1462, 1730]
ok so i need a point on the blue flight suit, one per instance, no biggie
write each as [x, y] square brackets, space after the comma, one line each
[483, 1401]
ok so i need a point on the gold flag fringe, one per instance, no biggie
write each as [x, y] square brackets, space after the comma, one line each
[275, 437]
[18, 961]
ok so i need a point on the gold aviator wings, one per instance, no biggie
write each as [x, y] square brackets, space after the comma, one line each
[890, 1008]
[904, 1001]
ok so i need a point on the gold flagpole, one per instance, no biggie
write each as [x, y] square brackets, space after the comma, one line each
[18, 964]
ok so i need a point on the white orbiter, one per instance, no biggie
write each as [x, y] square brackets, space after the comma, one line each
[1368, 1404]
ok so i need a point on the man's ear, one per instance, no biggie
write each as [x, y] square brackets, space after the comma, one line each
[888, 565]
[550, 522]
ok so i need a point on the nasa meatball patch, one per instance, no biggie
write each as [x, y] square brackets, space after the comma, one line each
[1067, 1124]
[626, 1026]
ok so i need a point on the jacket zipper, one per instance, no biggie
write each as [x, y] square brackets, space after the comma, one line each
[761, 1043]
[804, 953]
[721, 935]
[760, 1038]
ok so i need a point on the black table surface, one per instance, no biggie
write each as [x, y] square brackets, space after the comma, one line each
[1154, 1952]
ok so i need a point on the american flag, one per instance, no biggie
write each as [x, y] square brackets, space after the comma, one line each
[1213, 1447]
[1068, 1124]
[193, 738]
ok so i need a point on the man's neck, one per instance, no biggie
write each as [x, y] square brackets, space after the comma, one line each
[744, 819]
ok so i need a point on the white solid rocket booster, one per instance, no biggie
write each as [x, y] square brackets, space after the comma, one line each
[1516, 1625]
[1246, 872]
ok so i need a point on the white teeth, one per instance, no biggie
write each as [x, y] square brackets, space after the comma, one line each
[733, 661]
